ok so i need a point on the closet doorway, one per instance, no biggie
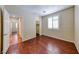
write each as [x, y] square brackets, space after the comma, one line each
[37, 28]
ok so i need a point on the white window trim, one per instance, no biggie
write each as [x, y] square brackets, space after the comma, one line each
[50, 27]
[52, 23]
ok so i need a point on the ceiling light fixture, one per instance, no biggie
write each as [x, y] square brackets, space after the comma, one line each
[44, 11]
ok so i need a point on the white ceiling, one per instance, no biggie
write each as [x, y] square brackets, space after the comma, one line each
[38, 9]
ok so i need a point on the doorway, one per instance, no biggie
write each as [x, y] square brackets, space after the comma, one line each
[37, 28]
[15, 30]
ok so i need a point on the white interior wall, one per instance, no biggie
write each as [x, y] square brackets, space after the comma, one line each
[29, 24]
[66, 29]
[77, 27]
[14, 28]
[6, 30]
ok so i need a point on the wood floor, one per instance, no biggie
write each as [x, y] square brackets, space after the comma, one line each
[43, 45]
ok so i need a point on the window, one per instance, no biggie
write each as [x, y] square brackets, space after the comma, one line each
[50, 23]
[53, 22]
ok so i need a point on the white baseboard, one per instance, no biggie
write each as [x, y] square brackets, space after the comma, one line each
[60, 38]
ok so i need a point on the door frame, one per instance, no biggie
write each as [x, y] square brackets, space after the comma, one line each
[1, 30]
[19, 33]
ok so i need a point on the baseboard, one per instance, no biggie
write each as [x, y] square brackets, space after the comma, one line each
[58, 39]
[51, 37]
[76, 46]
[29, 39]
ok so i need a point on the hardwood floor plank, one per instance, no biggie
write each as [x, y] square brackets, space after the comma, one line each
[44, 45]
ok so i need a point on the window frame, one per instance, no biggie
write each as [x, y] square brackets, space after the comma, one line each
[48, 23]
[53, 21]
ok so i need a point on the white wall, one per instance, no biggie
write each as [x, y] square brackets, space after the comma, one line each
[14, 28]
[6, 30]
[66, 30]
[29, 25]
[77, 27]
